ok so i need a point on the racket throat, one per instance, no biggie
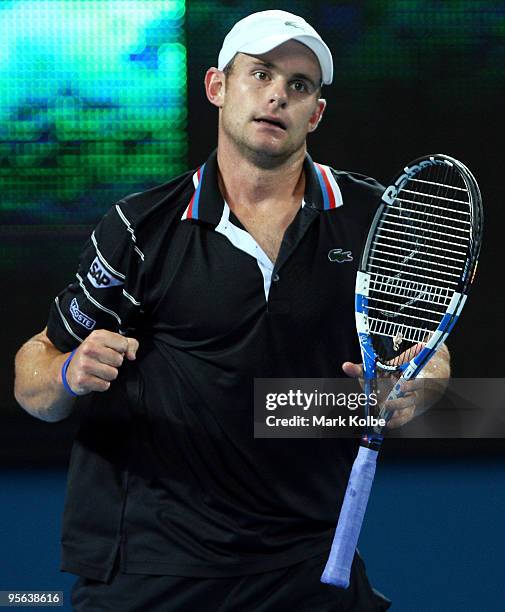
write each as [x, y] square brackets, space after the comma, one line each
[372, 441]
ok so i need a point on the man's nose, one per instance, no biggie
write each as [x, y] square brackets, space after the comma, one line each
[278, 94]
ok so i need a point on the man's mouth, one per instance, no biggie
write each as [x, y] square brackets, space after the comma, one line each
[271, 121]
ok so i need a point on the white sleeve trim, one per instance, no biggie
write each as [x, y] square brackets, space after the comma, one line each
[65, 323]
[139, 253]
[126, 222]
[104, 261]
[131, 298]
[130, 229]
[95, 302]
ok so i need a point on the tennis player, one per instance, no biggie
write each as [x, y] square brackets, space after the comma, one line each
[183, 295]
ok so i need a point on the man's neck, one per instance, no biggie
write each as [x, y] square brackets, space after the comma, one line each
[245, 184]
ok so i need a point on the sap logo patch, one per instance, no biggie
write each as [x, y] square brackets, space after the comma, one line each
[101, 278]
[79, 317]
[340, 256]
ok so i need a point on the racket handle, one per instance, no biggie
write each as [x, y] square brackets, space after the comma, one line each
[338, 566]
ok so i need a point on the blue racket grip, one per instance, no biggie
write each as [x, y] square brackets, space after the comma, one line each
[338, 566]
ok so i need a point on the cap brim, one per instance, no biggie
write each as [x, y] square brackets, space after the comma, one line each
[264, 45]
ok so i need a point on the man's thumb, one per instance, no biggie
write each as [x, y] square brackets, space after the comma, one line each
[132, 348]
[354, 370]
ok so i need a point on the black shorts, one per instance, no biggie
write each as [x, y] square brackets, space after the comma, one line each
[292, 589]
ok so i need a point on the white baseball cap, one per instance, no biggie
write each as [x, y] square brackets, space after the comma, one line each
[261, 32]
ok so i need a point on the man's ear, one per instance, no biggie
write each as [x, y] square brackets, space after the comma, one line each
[317, 115]
[215, 86]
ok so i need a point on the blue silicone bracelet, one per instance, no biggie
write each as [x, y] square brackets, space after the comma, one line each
[64, 374]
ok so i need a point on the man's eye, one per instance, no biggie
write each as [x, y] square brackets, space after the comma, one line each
[299, 86]
[261, 76]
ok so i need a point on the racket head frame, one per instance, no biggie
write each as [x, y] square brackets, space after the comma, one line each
[412, 367]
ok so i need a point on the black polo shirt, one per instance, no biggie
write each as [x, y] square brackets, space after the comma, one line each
[165, 467]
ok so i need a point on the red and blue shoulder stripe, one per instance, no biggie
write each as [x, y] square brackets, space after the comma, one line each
[191, 211]
[332, 196]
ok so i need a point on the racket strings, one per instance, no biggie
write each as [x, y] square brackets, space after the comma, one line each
[416, 259]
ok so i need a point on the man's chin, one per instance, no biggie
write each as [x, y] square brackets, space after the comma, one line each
[269, 154]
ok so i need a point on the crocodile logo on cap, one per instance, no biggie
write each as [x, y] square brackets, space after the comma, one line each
[293, 24]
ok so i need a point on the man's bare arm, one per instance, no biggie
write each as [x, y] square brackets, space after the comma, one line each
[38, 386]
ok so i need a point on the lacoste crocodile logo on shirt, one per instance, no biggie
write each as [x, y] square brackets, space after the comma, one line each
[340, 256]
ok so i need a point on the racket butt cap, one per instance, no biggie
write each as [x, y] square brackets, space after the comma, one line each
[340, 581]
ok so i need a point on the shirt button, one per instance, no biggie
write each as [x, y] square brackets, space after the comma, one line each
[276, 278]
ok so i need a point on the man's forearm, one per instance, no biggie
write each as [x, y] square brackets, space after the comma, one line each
[38, 387]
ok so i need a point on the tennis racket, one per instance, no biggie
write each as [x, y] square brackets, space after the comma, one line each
[418, 263]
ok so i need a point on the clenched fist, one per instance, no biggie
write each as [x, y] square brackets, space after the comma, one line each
[97, 360]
